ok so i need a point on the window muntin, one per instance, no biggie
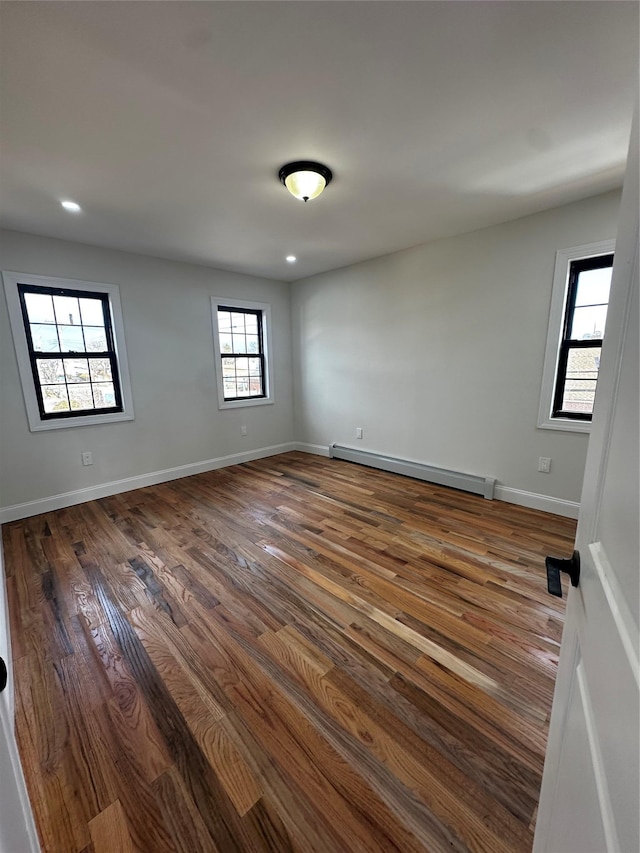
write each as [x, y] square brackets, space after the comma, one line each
[242, 359]
[583, 329]
[72, 352]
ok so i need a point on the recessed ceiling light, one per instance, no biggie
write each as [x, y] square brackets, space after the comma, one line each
[291, 259]
[71, 206]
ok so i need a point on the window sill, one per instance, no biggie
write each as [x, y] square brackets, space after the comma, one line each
[565, 425]
[242, 404]
[88, 420]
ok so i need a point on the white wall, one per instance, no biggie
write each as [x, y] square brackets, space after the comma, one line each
[437, 351]
[168, 333]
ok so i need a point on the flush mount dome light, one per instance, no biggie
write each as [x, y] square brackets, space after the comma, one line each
[305, 179]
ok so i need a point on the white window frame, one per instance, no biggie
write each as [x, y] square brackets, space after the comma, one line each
[554, 334]
[265, 308]
[36, 423]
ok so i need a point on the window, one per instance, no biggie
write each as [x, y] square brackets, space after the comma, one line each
[70, 347]
[241, 331]
[241, 352]
[583, 331]
[576, 329]
[70, 343]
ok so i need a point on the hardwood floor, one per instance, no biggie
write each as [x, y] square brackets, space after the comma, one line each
[292, 654]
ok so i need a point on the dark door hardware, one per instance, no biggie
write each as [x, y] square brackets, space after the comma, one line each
[555, 565]
[3, 675]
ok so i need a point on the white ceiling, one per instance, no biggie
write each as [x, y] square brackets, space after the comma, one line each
[168, 122]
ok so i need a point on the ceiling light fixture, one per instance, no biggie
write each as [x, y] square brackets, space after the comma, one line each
[291, 259]
[305, 179]
[71, 206]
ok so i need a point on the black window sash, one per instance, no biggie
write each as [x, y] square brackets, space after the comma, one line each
[566, 344]
[34, 355]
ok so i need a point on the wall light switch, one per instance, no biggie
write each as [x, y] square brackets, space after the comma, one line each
[87, 458]
[544, 464]
[243, 430]
[358, 432]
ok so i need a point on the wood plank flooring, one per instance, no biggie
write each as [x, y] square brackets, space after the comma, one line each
[295, 654]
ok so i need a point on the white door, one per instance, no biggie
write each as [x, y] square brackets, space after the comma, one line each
[590, 795]
[17, 831]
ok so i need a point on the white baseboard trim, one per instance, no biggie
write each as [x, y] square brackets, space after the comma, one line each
[532, 500]
[318, 449]
[557, 506]
[115, 487]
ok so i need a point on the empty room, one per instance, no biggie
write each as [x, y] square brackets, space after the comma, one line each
[319, 435]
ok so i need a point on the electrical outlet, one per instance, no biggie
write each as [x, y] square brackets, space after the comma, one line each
[243, 430]
[544, 464]
[87, 458]
[358, 432]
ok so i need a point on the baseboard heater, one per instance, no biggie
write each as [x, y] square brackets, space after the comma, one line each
[441, 476]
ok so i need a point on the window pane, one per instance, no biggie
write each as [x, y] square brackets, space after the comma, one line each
[588, 323]
[237, 323]
[593, 287]
[45, 338]
[76, 369]
[579, 396]
[55, 398]
[80, 396]
[39, 308]
[251, 322]
[225, 343]
[229, 377]
[95, 338]
[71, 339]
[242, 366]
[583, 363]
[256, 388]
[239, 343]
[50, 371]
[580, 385]
[100, 369]
[67, 310]
[241, 381]
[104, 395]
[224, 321]
[91, 312]
[252, 344]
